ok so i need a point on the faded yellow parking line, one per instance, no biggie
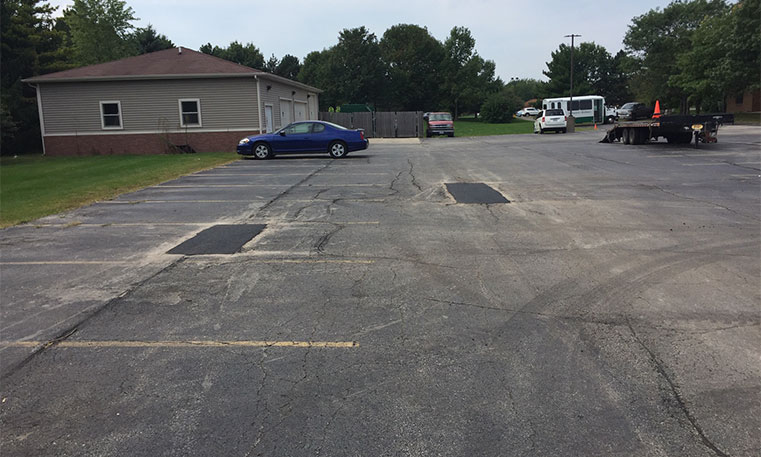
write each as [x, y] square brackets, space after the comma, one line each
[216, 175]
[711, 164]
[68, 262]
[135, 202]
[181, 344]
[204, 186]
[254, 258]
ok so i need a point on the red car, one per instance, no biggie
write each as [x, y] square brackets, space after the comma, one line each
[438, 124]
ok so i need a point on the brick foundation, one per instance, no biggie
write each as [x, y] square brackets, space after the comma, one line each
[152, 143]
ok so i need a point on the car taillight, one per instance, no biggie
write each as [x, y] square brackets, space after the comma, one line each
[566, 118]
[361, 134]
[543, 119]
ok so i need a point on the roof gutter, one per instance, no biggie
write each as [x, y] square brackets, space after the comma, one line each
[42, 79]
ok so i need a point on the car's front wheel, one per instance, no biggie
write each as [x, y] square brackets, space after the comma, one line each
[262, 151]
[337, 149]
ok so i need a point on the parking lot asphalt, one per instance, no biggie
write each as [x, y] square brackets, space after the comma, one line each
[612, 307]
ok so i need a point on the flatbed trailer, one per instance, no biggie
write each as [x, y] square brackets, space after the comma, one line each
[675, 128]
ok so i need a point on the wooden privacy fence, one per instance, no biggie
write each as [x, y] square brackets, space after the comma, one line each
[380, 124]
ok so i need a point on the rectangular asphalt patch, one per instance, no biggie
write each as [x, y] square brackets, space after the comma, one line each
[219, 239]
[465, 192]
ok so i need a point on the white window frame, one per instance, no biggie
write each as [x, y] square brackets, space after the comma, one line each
[198, 104]
[103, 119]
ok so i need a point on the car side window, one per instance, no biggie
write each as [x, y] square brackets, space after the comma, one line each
[317, 128]
[297, 129]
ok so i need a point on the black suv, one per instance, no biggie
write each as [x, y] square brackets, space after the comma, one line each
[634, 110]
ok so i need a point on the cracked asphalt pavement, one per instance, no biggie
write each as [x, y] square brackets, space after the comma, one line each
[611, 308]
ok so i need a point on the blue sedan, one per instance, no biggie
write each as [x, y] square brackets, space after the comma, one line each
[304, 137]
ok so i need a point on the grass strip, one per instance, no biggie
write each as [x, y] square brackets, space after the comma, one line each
[35, 186]
[748, 118]
[476, 127]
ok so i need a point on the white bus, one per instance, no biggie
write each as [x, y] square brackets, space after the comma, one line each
[586, 108]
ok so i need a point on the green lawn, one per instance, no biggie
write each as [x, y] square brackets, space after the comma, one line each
[36, 186]
[747, 119]
[473, 127]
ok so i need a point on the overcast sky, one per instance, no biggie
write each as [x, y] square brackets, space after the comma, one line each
[517, 35]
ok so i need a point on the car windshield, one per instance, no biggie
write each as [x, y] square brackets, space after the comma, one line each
[440, 117]
[553, 112]
[628, 106]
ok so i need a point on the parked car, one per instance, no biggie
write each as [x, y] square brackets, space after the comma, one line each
[305, 137]
[634, 110]
[529, 111]
[550, 120]
[438, 124]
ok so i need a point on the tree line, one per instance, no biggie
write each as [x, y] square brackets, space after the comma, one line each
[691, 54]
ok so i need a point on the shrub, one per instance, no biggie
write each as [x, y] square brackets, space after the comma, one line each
[500, 107]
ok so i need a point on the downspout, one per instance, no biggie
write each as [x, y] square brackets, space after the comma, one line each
[42, 118]
[259, 103]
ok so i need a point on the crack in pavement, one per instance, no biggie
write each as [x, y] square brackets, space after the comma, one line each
[64, 335]
[611, 322]
[287, 191]
[661, 369]
[683, 197]
[412, 176]
[323, 241]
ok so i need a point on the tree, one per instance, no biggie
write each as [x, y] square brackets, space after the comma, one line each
[288, 67]
[315, 71]
[468, 78]
[248, 55]
[414, 59]
[657, 39]
[615, 87]
[30, 45]
[146, 40]
[356, 68]
[591, 65]
[743, 58]
[500, 106]
[526, 89]
[100, 30]
[271, 64]
[730, 42]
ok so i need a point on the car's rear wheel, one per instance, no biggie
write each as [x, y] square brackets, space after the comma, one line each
[337, 149]
[262, 151]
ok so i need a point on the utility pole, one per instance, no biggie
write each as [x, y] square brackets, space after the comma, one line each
[572, 120]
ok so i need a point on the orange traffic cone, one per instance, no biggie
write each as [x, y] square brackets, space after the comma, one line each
[595, 125]
[657, 112]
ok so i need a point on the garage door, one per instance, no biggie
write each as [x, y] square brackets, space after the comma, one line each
[299, 111]
[285, 112]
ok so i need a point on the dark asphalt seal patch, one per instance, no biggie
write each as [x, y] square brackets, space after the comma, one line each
[219, 239]
[466, 192]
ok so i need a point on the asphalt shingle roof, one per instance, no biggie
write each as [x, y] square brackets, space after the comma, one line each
[160, 63]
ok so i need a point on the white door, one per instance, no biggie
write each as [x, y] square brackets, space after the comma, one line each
[299, 111]
[285, 112]
[268, 117]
